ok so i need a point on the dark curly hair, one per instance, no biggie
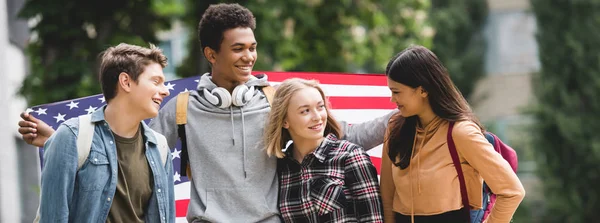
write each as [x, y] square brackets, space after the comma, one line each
[219, 18]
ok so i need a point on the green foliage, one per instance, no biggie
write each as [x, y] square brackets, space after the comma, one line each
[194, 63]
[316, 35]
[70, 34]
[567, 125]
[338, 36]
[459, 42]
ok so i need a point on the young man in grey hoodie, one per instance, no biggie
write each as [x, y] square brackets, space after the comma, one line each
[233, 179]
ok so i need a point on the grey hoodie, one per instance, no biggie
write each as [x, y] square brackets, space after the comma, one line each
[233, 178]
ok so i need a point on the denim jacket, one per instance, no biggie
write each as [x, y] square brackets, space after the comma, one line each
[85, 195]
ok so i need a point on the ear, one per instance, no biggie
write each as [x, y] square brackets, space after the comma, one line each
[286, 125]
[210, 55]
[423, 92]
[125, 82]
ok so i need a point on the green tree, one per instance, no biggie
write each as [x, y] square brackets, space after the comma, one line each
[356, 36]
[459, 42]
[567, 125]
[68, 35]
[194, 64]
[316, 35]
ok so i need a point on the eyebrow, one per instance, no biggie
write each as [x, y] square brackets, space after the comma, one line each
[241, 44]
[158, 76]
[306, 106]
[302, 106]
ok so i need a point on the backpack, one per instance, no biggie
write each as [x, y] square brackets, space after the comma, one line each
[489, 198]
[181, 120]
[86, 135]
[84, 145]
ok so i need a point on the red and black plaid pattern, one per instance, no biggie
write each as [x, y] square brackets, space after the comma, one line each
[335, 183]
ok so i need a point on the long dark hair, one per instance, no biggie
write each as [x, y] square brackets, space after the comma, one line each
[417, 66]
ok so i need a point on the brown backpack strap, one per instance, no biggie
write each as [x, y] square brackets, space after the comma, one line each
[181, 120]
[269, 93]
[181, 110]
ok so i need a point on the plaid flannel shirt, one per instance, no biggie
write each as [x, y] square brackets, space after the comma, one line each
[335, 183]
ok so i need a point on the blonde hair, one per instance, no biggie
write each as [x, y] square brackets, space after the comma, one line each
[275, 136]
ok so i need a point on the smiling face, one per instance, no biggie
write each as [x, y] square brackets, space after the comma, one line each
[235, 59]
[306, 116]
[149, 92]
[410, 101]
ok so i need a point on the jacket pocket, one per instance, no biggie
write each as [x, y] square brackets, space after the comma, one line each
[327, 195]
[95, 172]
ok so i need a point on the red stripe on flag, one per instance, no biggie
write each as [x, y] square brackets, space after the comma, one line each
[361, 103]
[330, 78]
[181, 207]
[377, 163]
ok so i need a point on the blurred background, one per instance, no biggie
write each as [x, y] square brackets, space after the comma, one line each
[530, 69]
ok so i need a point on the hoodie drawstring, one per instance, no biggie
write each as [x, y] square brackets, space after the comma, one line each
[243, 136]
[412, 214]
[412, 200]
[243, 141]
[232, 125]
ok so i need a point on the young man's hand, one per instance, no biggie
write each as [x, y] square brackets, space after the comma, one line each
[34, 131]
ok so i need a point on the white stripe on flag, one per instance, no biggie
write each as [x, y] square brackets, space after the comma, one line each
[355, 116]
[182, 191]
[375, 151]
[337, 90]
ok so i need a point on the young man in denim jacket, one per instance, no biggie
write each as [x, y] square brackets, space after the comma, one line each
[124, 178]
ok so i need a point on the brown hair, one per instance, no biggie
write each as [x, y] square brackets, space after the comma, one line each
[275, 136]
[125, 58]
[418, 66]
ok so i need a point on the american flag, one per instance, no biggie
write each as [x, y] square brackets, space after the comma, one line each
[354, 98]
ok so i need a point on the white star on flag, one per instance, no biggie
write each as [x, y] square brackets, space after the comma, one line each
[41, 111]
[73, 104]
[28, 110]
[170, 86]
[60, 117]
[176, 177]
[90, 110]
[175, 154]
[102, 99]
[186, 90]
[198, 80]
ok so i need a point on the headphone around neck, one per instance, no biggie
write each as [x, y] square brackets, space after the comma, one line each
[221, 98]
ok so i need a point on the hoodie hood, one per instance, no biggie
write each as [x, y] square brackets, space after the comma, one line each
[257, 81]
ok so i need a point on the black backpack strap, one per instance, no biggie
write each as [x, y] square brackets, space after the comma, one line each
[181, 120]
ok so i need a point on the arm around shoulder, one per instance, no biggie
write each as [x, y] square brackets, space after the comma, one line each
[367, 134]
[165, 123]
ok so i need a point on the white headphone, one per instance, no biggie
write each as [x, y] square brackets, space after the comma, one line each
[221, 98]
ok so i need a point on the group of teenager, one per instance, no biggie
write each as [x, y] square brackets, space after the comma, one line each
[256, 158]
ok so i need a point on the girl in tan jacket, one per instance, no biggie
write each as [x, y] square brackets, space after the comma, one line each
[419, 182]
